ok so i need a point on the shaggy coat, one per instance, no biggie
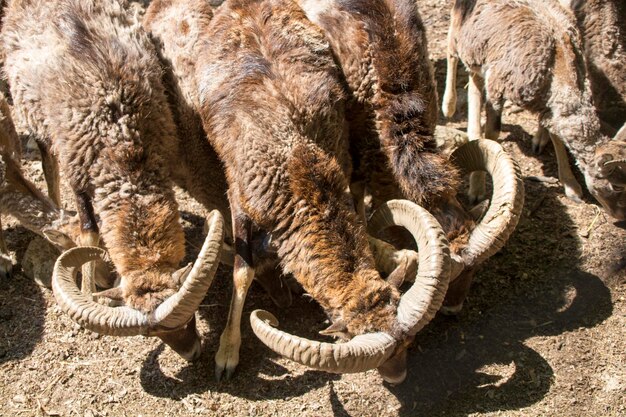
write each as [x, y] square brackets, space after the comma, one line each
[273, 108]
[87, 83]
[176, 26]
[536, 62]
[196, 167]
[382, 49]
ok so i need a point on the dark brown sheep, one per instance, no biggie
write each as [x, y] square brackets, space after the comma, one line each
[272, 105]
[175, 26]
[382, 50]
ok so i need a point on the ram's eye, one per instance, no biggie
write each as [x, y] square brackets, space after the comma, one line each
[617, 188]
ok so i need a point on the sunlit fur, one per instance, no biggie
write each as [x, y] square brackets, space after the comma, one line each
[175, 27]
[530, 52]
[603, 27]
[85, 79]
[273, 107]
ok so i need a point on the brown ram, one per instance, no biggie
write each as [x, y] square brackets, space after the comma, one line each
[382, 49]
[175, 27]
[530, 52]
[86, 81]
[272, 105]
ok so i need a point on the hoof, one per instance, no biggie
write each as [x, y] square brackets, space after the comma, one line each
[449, 107]
[6, 268]
[540, 140]
[574, 193]
[226, 360]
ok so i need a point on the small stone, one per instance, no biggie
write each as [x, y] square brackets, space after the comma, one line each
[19, 399]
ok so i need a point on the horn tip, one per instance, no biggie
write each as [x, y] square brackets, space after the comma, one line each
[265, 316]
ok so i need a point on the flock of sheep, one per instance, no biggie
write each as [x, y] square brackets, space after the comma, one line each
[308, 129]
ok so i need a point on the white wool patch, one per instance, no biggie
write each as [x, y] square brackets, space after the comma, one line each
[313, 8]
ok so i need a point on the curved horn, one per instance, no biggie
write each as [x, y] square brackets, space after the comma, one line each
[125, 321]
[176, 310]
[615, 162]
[121, 321]
[416, 308]
[422, 301]
[621, 134]
[360, 354]
[505, 209]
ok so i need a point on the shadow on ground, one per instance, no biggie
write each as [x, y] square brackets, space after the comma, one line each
[479, 361]
[271, 380]
[22, 306]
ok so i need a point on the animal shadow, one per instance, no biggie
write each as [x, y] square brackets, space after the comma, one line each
[258, 376]
[479, 361]
[22, 306]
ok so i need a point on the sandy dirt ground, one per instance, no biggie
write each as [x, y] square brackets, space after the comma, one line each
[542, 333]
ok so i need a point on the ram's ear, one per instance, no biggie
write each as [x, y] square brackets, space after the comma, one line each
[398, 275]
[58, 238]
[337, 329]
[478, 211]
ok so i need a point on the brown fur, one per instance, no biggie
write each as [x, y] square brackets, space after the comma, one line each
[382, 49]
[94, 95]
[603, 27]
[530, 52]
[22, 199]
[272, 107]
[175, 26]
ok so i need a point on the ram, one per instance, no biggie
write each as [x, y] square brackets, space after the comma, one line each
[175, 27]
[530, 52]
[382, 49]
[86, 82]
[271, 104]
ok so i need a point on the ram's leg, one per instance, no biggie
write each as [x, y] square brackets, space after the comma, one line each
[50, 167]
[540, 140]
[474, 106]
[6, 263]
[89, 236]
[573, 190]
[449, 96]
[493, 123]
[227, 356]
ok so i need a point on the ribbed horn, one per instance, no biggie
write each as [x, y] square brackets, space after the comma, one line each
[360, 354]
[124, 321]
[176, 310]
[422, 301]
[121, 321]
[507, 202]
